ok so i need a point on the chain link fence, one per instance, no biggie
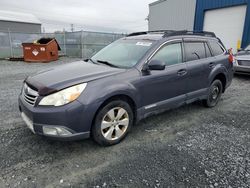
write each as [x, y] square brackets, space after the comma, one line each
[73, 44]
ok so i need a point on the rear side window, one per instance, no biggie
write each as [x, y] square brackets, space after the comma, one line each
[170, 54]
[216, 48]
[194, 50]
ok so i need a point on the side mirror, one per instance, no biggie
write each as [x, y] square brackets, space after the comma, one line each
[156, 65]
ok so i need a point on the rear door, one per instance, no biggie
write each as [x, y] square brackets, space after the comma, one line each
[198, 59]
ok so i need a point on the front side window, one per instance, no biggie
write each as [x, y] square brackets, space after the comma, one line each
[123, 53]
[194, 51]
[216, 48]
[170, 54]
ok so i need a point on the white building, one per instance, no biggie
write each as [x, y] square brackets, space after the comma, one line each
[19, 22]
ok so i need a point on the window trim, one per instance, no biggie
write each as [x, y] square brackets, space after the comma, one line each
[210, 51]
[224, 50]
[164, 44]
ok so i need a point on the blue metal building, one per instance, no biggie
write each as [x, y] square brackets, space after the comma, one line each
[204, 5]
[229, 19]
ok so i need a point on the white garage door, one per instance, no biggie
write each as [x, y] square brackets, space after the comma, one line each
[227, 23]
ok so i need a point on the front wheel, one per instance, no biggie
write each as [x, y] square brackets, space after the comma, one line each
[112, 123]
[214, 94]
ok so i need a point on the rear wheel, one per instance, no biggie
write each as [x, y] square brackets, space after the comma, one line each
[112, 123]
[214, 94]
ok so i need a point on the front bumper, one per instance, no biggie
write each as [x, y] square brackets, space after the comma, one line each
[241, 66]
[73, 117]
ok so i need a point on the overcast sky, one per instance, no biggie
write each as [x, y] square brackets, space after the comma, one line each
[97, 15]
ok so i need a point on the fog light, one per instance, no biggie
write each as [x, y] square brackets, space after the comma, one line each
[55, 131]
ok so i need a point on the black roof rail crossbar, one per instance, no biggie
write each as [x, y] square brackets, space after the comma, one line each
[169, 33]
[146, 32]
[137, 33]
[186, 32]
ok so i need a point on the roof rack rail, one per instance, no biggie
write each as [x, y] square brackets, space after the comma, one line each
[137, 33]
[169, 33]
[186, 32]
[146, 32]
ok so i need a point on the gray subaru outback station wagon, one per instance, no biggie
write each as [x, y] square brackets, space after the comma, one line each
[139, 75]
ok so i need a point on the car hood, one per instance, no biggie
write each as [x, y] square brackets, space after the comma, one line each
[63, 76]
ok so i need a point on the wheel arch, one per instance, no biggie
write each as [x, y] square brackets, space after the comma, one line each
[219, 72]
[123, 97]
[222, 78]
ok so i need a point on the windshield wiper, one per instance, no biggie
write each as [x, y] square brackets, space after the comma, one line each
[106, 63]
[89, 59]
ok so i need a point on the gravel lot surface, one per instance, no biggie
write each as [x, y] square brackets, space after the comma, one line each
[191, 146]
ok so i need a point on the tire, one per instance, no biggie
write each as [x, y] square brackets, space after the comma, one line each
[112, 123]
[214, 94]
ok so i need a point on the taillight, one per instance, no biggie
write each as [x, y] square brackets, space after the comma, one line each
[230, 57]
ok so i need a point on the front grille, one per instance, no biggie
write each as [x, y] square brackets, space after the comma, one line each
[244, 62]
[29, 95]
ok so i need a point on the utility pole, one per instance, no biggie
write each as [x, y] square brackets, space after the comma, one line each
[82, 43]
[72, 27]
[64, 41]
[10, 40]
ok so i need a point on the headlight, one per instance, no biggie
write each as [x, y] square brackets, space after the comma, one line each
[64, 96]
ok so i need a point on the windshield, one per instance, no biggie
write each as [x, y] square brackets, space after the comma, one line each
[123, 53]
[248, 47]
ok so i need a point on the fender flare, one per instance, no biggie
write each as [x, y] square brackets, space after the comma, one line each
[218, 69]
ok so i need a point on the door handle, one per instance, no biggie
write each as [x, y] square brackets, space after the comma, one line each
[211, 65]
[182, 72]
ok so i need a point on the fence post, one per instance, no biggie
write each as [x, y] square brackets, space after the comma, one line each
[10, 40]
[64, 43]
[113, 37]
[82, 43]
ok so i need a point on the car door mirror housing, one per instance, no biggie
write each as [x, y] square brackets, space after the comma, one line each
[156, 65]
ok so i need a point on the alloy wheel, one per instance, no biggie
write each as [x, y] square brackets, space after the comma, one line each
[115, 123]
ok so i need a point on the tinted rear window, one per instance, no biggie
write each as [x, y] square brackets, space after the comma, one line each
[216, 48]
[194, 50]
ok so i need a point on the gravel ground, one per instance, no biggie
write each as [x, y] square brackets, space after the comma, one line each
[191, 146]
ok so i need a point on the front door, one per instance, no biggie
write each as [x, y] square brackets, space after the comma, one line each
[163, 89]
